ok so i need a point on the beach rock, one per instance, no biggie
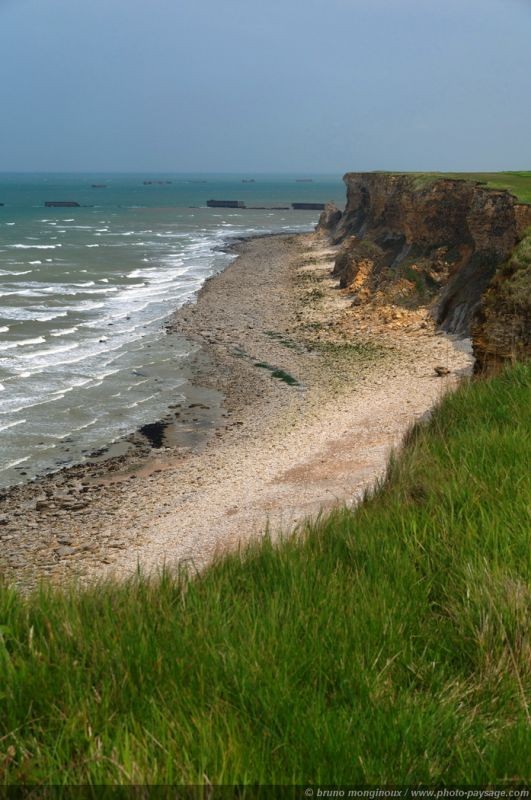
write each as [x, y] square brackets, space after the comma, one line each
[329, 219]
[65, 550]
[441, 371]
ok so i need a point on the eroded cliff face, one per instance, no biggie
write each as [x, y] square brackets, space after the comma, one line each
[501, 329]
[417, 241]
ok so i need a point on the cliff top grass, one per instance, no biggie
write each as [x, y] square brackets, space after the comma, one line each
[383, 645]
[518, 183]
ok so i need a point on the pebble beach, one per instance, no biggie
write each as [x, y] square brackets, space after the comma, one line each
[296, 401]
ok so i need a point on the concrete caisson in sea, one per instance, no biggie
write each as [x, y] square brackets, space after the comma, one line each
[225, 204]
[308, 206]
[61, 204]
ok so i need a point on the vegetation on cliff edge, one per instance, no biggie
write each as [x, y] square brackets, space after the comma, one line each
[386, 644]
[518, 183]
[502, 327]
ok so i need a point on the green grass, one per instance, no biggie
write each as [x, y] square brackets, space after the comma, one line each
[386, 645]
[518, 183]
[284, 340]
[350, 350]
[515, 278]
[279, 374]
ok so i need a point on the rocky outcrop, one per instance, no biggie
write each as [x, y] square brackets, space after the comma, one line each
[330, 217]
[501, 330]
[419, 240]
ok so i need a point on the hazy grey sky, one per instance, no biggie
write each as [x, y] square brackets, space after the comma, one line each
[265, 85]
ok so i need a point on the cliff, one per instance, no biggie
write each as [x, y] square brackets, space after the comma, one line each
[501, 330]
[425, 241]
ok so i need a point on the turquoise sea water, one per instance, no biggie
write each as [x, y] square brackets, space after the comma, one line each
[84, 292]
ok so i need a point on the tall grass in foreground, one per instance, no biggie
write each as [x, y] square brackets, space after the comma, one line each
[387, 644]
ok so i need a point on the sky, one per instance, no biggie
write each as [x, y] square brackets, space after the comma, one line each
[321, 86]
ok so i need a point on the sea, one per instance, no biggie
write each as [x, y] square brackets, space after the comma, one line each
[85, 291]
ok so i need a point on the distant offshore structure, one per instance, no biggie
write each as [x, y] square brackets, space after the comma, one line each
[240, 204]
[99, 186]
[225, 204]
[156, 183]
[61, 204]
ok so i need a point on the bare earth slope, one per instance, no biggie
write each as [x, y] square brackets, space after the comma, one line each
[436, 242]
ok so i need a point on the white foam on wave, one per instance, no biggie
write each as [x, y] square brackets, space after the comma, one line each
[21, 293]
[142, 401]
[47, 317]
[155, 273]
[21, 343]
[163, 281]
[35, 314]
[14, 463]
[15, 272]
[64, 331]
[86, 350]
[60, 393]
[12, 424]
[34, 246]
[49, 398]
[82, 427]
[50, 352]
[4, 328]
[71, 289]
[87, 305]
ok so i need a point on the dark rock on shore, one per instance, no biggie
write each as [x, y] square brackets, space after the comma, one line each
[154, 433]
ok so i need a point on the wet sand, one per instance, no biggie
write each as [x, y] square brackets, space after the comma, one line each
[299, 399]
